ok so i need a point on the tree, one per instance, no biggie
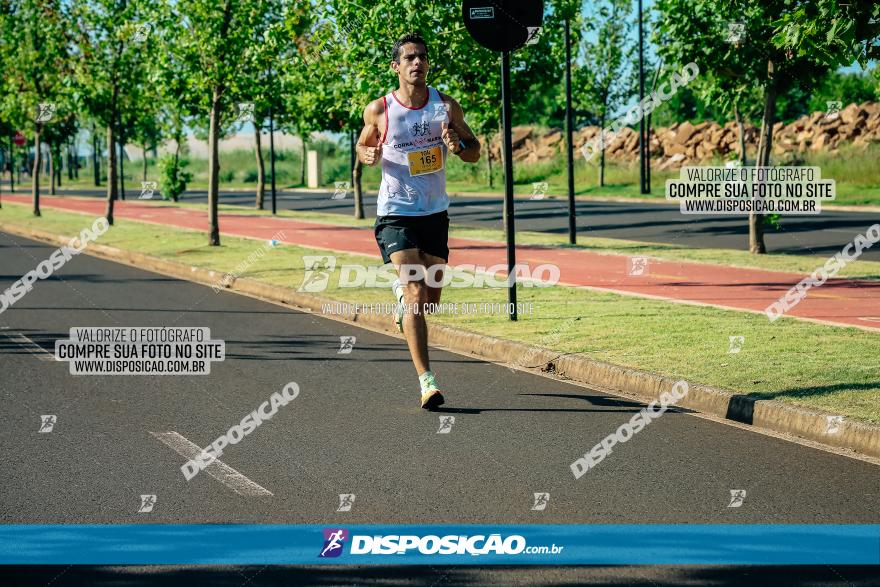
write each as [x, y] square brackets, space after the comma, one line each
[146, 129]
[829, 32]
[601, 78]
[35, 54]
[354, 42]
[848, 88]
[326, 73]
[261, 84]
[113, 67]
[140, 109]
[56, 133]
[699, 31]
[213, 41]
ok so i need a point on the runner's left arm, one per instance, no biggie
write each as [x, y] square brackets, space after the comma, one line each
[459, 137]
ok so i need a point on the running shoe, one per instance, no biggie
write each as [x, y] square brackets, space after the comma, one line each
[397, 288]
[431, 396]
[432, 399]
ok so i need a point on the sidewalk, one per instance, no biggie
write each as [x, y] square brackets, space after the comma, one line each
[838, 302]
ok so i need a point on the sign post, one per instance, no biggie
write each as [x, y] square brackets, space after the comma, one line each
[505, 26]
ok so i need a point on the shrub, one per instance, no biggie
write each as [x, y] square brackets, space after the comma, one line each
[172, 177]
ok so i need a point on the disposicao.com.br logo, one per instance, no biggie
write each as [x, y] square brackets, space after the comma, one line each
[320, 268]
[452, 544]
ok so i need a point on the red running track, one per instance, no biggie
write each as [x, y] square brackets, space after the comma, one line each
[838, 301]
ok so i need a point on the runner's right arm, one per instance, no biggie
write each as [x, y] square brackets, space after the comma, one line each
[369, 147]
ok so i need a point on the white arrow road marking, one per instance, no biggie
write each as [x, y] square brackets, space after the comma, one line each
[217, 469]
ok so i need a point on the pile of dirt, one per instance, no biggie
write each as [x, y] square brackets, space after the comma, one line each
[686, 143]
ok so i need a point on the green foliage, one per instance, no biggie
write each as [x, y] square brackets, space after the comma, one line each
[36, 62]
[772, 221]
[829, 32]
[604, 83]
[844, 87]
[686, 104]
[344, 63]
[173, 176]
[114, 65]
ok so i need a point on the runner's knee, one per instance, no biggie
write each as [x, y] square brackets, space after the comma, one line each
[415, 292]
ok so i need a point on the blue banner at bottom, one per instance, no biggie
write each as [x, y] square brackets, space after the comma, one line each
[246, 544]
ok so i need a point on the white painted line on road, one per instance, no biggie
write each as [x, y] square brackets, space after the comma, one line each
[29, 345]
[480, 206]
[217, 469]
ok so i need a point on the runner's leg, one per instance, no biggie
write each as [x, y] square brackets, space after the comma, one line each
[415, 296]
[432, 261]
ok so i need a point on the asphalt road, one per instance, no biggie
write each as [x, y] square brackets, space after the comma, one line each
[356, 428]
[821, 235]
[434, 576]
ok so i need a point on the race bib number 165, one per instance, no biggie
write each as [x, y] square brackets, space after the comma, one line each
[424, 162]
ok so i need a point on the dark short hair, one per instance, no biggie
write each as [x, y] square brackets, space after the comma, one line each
[407, 38]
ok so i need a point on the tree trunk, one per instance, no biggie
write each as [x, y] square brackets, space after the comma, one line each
[648, 153]
[51, 161]
[121, 170]
[177, 141]
[503, 166]
[11, 165]
[352, 156]
[302, 176]
[144, 147]
[214, 169]
[96, 157]
[602, 151]
[488, 159]
[741, 127]
[756, 221]
[111, 173]
[35, 178]
[59, 163]
[358, 190]
[356, 179]
[69, 149]
[261, 168]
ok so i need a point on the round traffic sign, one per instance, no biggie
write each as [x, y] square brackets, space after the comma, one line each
[503, 25]
[19, 139]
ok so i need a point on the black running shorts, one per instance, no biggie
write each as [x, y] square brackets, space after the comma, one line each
[429, 234]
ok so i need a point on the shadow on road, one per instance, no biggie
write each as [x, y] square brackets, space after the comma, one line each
[405, 576]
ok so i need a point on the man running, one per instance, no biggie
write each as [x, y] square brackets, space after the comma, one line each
[411, 131]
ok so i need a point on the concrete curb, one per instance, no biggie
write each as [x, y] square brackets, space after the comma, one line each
[776, 416]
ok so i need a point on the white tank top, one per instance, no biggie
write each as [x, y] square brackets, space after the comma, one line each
[412, 144]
